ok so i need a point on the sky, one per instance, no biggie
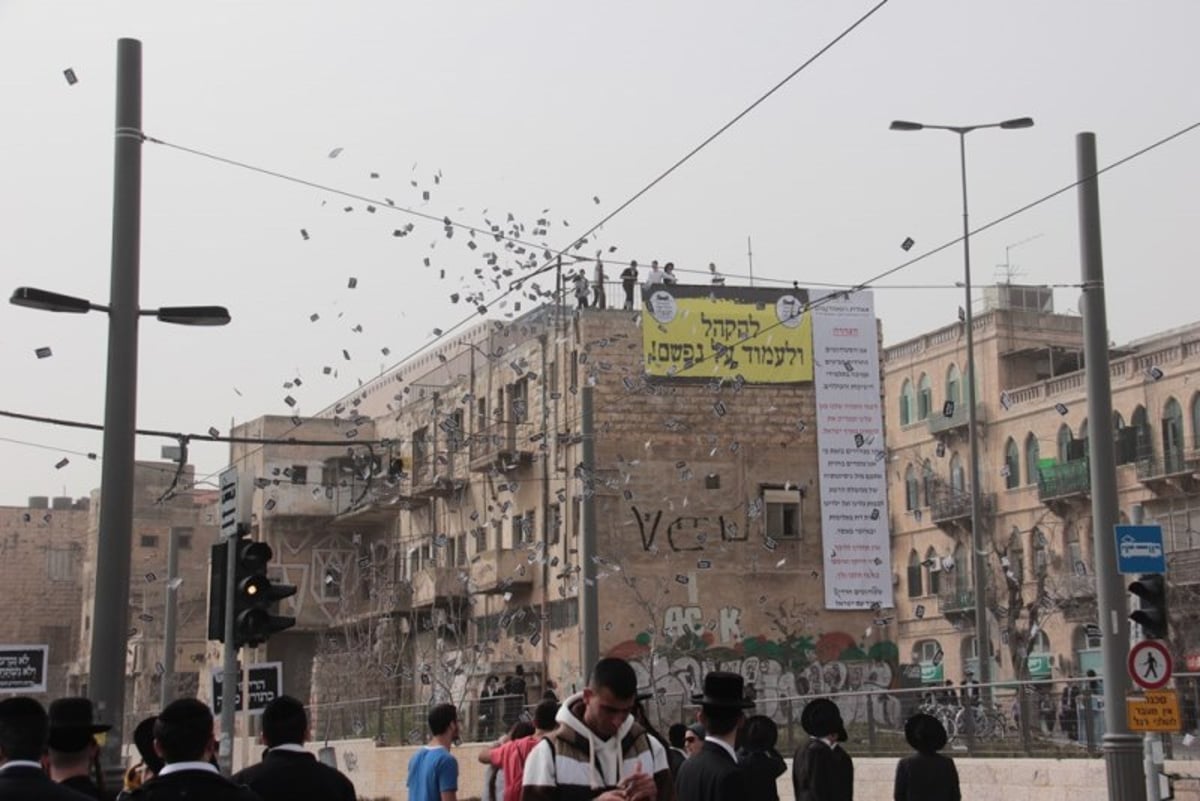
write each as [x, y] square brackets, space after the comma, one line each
[561, 111]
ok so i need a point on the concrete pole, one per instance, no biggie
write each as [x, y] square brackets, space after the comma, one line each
[167, 689]
[979, 553]
[110, 615]
[229, 661]
[1137, 516]
[1122, 750]
[589, 615]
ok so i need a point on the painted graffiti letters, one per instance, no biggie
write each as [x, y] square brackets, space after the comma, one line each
[686, 533]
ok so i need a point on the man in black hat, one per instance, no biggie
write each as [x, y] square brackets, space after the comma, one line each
[821, 768]
[926, 775]
[72, 750]
[713, 773]
[24, 729]
[289, 772]
[183, 737]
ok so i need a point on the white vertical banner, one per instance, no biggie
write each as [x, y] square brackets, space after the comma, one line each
[852, 457]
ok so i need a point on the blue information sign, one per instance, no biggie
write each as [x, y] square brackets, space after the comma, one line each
[1140, 549]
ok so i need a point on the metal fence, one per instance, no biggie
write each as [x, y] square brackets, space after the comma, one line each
[1062, 718]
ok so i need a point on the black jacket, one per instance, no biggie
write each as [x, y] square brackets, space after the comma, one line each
[192, 785]
[822, 773]
[926, 777]
[32, 784]
[82, 784]
[760, 769]
[292, 776]
[710, 775]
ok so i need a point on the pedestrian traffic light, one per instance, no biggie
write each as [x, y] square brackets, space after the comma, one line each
[255, 595]
[1152, 613]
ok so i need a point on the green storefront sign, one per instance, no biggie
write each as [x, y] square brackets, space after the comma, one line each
[1040, 665]
[931, 673]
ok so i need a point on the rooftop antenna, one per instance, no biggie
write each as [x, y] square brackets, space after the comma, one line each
[1007, 270]
[750, 260]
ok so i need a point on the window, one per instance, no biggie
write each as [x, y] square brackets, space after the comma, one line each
[299, 474]
[933, 571]
[1084, 641]
[574, 370]
[924, 397]
[481, 539]
[906, 402]
[1196, 420]
[915, 588]
[1032, 454]
[60, 564]
[1041, 560]
[1172, 436]
[454, 431]
[555, 524]
[962, 569]
[519, 398]
[1016, 555]
[927, 482]
[149, 540]
[331, 582]
[911, 501]
[522, 529]
[782, 513]
[481, 418]
[953, 382]
[420, 451]
[498, 534]
[460, 550]
[183, 537]
[958, 478]
[1074, 551]
[1064, 443]
[1012, 465]
[1140, 422]
[926, 651]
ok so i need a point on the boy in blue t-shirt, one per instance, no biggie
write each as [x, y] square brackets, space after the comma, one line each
[433, 771]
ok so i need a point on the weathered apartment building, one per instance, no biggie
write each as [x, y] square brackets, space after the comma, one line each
[1034, 481]
[166, 505]
[433, 522]
[41, 557]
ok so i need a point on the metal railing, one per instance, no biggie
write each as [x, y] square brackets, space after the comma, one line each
[1061, 480]
[1172, 463]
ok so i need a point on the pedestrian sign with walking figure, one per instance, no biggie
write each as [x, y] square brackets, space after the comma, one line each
[1150, 664]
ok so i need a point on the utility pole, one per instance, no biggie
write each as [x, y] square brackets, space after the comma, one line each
[110, 623]
[1122, 750]
[170, 613]
[750, 260]
[589, 615]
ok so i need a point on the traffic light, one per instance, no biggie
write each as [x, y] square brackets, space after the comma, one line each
[1152, 613]
[255, 595]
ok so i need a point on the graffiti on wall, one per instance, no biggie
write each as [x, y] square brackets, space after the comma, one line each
[685, 533]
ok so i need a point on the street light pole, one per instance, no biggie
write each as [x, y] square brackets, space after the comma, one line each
[978, 551]
[110, 616]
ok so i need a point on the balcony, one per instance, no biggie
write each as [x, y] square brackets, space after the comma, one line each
[956, 601]
[956, 424]
[498, 571]
[436, 480]
[497, 446]
[951, 507]
[1063, 482]
[376, 504]
[1077, 597]
[438, 586]
[1171, 467]
[1183, 567]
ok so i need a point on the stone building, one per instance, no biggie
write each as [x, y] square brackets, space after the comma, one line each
[41, 560]
[433, 522]
[1034, 482]
[163, 508]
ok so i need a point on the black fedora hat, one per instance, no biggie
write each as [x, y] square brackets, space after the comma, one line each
[925, 733]
[72, 724]
[821, 718]
[723, 689]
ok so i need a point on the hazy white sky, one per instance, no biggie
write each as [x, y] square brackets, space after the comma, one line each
[524, 106]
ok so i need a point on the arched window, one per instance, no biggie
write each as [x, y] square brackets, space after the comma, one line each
[1172, 436]
[962, 569]
[1016, 555]
[911, 501]
[953, 385]
[1064, 443]
[1083, 436]
[933, 571]
[915, 583]
[1074, 551]
[958, 479]
[906, 402]
[1032, 454]
[1041, 557]
[1196, 420]
[1140, 422]
[924, 397]
[927, 482]
[1012, 464]
[1118, 421]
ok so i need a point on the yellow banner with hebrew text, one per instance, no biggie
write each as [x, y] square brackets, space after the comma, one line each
[751, 334]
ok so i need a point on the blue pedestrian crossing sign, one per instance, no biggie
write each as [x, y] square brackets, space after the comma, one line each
[1140, 549]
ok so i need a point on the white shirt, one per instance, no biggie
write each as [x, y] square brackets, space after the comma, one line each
[728, 748]
[20, 763]
[655, 277]
[295, 747]
[176, 767]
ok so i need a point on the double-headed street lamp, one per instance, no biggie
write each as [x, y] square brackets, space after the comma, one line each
[979, 553]
[110, 617]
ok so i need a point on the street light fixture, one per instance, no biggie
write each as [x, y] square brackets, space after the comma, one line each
[978, 565]
[44, 300]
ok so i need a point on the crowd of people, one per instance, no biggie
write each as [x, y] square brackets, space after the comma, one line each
[591, 294]
[599, 744]
[54, 756]
[596, 744]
